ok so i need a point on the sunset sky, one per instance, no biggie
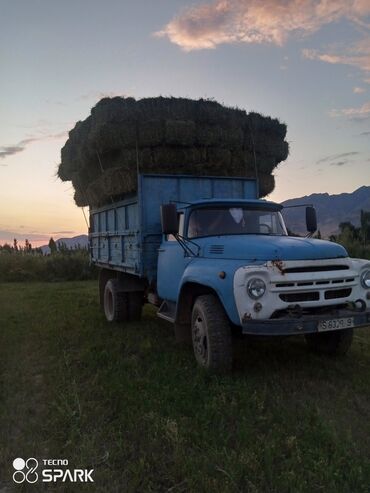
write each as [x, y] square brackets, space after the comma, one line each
[306, 62]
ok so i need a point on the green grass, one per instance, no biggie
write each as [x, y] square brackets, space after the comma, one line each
[130, 403]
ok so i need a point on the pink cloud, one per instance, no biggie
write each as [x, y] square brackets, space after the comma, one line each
[356, 55]
[254, 21]
[358, 90]
[359, 113]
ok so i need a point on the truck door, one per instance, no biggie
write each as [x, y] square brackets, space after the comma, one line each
[171, 265]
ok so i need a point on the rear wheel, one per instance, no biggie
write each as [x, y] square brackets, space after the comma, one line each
[115, 302]
[336, 342]
[120, 305]
[211, 335]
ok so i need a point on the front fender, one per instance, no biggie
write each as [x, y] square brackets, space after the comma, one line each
[206, 272]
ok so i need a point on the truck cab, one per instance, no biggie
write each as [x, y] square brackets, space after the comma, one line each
[225, 263]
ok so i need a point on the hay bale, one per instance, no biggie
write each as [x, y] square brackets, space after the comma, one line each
[150, 133]
[219, 156]
[180, 133]
[266, 184]
[167, 135]
[208, 135]
[176, 156]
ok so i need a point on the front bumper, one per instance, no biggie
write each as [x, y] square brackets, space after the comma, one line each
[306, 324]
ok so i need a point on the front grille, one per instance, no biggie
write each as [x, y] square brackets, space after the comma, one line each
[326, 283]
[315, 268]
[337, 293]
[297, 297]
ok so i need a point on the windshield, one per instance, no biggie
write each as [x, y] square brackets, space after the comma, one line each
[215, 221]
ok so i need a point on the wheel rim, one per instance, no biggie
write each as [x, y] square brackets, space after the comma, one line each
[200, 341]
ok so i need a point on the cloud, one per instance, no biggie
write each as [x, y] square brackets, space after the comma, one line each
[63, 232]
[356, 55]
[340, 163]
[253, 21]
[364, 134]
[6, 151]
[335, 157]
[358, 114]
[358, 90]
[8, 236]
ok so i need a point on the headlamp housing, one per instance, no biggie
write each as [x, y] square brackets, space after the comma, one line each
[365, 279]
[256, 288]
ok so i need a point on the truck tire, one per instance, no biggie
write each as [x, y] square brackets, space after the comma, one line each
[135, 305]
[336, 342]
[211, 335]
[104, 276]
[115, 302]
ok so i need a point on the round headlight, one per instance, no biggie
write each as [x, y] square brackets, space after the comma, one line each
[256, 288]
[365, 279]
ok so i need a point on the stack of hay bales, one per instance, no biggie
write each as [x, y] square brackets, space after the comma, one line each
[122, 136]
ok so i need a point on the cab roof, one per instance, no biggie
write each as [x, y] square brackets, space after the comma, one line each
[257, 203]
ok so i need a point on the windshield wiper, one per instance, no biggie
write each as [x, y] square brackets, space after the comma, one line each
[183, 242]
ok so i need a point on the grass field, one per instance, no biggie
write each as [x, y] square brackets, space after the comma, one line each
[130, 403]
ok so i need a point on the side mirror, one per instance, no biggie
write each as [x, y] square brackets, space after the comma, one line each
[311, 219]
[169, 219]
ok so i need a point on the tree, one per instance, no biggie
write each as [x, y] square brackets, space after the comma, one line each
[62, 247]
[27, 246]
[53, 246]
[7, 248]
[15, 244]
[365, 226]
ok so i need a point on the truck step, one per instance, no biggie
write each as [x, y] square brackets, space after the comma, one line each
[167, 311]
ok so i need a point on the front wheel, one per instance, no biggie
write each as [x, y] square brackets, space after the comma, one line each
[211, 335]
[336, 342]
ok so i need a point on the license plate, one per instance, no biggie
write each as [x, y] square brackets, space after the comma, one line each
[336, 324]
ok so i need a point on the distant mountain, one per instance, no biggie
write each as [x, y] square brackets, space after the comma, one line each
[331, 210]
[74, 242]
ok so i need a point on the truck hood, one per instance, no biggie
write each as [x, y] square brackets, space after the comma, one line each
[264, 247]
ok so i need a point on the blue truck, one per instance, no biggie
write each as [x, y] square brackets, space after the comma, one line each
[217, 261]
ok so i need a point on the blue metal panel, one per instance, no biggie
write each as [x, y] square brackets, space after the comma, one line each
[103, 253]
[103, 222]
[115, 249]
[95, 248]
[270, 247]
[95, 222]
[159, 189]
[113, 244]
[205, 272]
[202, 189]
[121, 222]
[132, 217]
[111, 220]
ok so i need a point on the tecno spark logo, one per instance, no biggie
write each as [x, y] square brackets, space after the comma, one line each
[25, 470]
